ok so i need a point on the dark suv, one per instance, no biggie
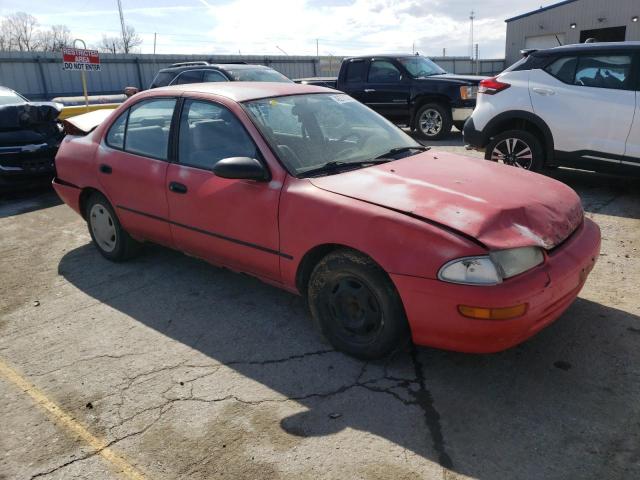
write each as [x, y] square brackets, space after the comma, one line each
[198, 72]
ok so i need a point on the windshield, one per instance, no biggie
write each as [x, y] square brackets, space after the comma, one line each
[257, 75]
[420, 67]
[309, 131]
[9, 97]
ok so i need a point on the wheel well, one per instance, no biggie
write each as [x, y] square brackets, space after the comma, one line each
[84, 196]
[423, 100]
[527, 126]
[313, 257]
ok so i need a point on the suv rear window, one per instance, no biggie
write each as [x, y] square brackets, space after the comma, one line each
[563, 69]
[162, 79]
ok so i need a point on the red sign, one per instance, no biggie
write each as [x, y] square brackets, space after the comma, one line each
[80, 59]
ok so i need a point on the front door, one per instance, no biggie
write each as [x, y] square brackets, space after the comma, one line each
[588, 101]
[228, 222]
[386, 92]
[633, 142]
[132, 166]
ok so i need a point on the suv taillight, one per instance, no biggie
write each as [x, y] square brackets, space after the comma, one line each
[491, 86]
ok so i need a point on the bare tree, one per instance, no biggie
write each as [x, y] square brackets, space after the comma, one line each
[6, 39]
[22, 30]
[54, 39]
[120, 44]
[110, 44]
[130, 39]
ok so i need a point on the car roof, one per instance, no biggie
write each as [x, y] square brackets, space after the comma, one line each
[243, 91]
[588, 47]
[384, 55]
[215, 66]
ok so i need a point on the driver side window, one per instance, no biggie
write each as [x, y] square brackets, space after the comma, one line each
[208, 133]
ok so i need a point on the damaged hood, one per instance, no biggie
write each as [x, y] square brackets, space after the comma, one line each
[27, 115]
[499, 205]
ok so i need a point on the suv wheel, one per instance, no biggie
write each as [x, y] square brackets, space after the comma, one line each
[433, 121]
[517, 148]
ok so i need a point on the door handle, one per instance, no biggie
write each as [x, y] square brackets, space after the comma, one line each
[369, 90]
[104, 168]
[176, 187]
[544, 91]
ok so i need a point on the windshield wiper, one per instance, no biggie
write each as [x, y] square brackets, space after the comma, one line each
[337, 165]
[395, 151]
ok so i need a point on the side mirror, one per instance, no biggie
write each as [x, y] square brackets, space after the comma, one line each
[242, 168]
[131, 91]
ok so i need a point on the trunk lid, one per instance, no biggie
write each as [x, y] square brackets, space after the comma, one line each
[499, 205]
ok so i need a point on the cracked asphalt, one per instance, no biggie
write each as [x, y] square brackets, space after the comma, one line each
[183, 370]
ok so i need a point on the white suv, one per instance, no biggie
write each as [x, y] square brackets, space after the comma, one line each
[576, 106]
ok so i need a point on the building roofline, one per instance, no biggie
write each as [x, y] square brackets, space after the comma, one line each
[540, 10]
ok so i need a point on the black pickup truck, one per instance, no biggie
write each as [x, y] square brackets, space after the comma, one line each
[408, 90]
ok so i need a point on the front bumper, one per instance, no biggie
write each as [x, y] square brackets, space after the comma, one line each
[432, 305]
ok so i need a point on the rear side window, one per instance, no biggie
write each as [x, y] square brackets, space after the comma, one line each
[563, 69]
[607, 71]
[147, 131]
[190, 76]
[115, 137]
[214, 76]
[355, 72]
[208, 133]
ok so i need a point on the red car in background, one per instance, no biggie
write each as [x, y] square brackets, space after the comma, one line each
[311, 191]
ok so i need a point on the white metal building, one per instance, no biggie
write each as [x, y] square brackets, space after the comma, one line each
[573, 21]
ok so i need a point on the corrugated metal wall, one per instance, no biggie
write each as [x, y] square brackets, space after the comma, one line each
[39, 75]
[586, 14]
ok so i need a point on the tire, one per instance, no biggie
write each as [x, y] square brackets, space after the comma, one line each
[527, 154]
[356, 306]
[108, 236]
[440, 124]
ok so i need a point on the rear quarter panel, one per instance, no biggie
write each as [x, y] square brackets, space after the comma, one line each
[516, 97]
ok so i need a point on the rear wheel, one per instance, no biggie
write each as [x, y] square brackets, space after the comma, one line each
[356, 305]
[433, 121]
[517, 148]
[111, 240]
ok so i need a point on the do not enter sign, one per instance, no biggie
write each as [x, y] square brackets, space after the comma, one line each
[80, 59]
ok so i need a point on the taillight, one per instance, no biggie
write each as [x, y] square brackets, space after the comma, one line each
[491, 86]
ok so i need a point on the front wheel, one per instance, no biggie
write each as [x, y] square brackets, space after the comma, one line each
[433, 121]
[356, 305]
[517, 148]
[111, 240]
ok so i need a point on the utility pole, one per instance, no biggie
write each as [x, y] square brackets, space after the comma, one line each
[444, 52]
[125, 46]
[477, 61]
[317, 48]
[155, 35]
[472, 18]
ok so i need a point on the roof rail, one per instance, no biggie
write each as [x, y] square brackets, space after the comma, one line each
[184, 64]
[525, 52]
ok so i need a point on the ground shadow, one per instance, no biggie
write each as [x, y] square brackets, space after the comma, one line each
[28, 200]
[563, 405]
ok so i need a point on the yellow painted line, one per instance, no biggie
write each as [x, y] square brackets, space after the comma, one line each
[69, 423]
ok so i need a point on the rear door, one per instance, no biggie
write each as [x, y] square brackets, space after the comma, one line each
[386, 91]
[228, 222]
[588, 101]
[353, 80]
[132, 166]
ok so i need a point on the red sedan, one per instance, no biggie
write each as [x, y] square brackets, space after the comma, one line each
[311, 191]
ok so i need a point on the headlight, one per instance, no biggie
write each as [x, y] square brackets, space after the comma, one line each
[493, 268]
[468, 92]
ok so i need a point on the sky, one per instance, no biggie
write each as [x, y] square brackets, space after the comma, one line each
[340, 27]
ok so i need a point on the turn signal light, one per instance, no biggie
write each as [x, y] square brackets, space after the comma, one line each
[491, 86]
[504, 313]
